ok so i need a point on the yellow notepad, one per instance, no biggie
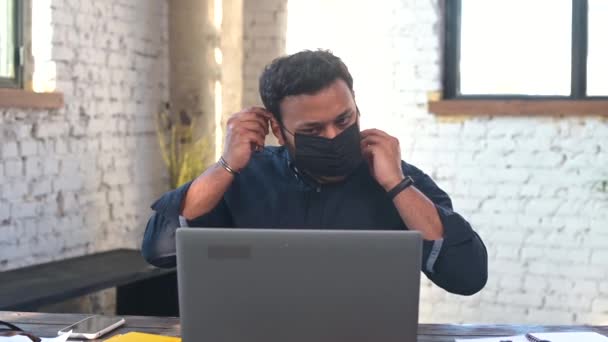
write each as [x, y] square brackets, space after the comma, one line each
[141, 337]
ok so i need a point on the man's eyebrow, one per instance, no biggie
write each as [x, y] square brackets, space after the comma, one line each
[311, 125]
[344, 114]
[314, 124]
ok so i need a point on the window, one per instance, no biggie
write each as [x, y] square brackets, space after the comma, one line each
[11, 70]
[597, 60]
[539, 49]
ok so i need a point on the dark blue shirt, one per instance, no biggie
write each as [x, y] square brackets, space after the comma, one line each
[271, 193]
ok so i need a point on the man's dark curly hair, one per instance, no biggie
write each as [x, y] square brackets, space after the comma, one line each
[305, 72]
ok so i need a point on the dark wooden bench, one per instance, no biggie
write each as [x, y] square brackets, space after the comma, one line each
[142, 289]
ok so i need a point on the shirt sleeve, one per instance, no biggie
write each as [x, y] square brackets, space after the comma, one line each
[183, 222]
[433, 255]
[158, 246]
[459, 262]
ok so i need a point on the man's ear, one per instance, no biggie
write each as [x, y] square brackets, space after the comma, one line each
[277, 131]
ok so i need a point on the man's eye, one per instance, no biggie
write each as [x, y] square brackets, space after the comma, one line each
[343, 121]
[310, 131]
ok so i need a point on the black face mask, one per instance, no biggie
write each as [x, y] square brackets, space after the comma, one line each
[325, 157]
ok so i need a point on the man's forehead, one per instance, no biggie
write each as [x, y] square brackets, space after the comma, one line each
[324, 105]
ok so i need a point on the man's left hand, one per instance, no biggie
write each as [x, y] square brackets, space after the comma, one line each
[383, 156]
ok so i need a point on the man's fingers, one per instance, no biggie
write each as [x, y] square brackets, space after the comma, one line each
[376, 138]
[253, 125]
[250, 116]
[368, 153]
[373, 140]
[374, 132]
[252, 137]
[376, 144]
[259, 111]
[249, 122]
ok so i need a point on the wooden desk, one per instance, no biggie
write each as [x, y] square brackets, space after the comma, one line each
[47, 325]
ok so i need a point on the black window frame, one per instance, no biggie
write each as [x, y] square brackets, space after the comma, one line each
[17, 81]
[579, 50]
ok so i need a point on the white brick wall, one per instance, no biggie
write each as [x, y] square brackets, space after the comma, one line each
[535, 188]
[80, 179]
[264, 26]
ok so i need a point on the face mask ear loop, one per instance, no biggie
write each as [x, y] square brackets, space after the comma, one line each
[285, 129]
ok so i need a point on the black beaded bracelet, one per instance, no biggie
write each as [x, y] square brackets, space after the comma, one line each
[404, 184]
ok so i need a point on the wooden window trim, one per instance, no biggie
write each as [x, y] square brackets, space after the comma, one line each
[515, 107]
[16, 96]
[19, 98]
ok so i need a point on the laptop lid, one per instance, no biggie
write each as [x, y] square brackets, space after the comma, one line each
[258, 285]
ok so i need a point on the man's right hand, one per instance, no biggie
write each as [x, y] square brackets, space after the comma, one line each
[245, 133]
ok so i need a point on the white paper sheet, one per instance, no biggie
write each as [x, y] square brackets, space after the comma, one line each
[553, 337]
[21, 338]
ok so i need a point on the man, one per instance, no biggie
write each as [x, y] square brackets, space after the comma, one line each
[325, 175]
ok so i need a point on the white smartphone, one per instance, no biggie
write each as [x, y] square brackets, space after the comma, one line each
[92, 327]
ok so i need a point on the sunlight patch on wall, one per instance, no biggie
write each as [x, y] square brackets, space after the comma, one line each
[45, 69]
[360, 37]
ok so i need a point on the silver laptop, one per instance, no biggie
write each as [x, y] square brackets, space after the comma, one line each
[257, 285]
